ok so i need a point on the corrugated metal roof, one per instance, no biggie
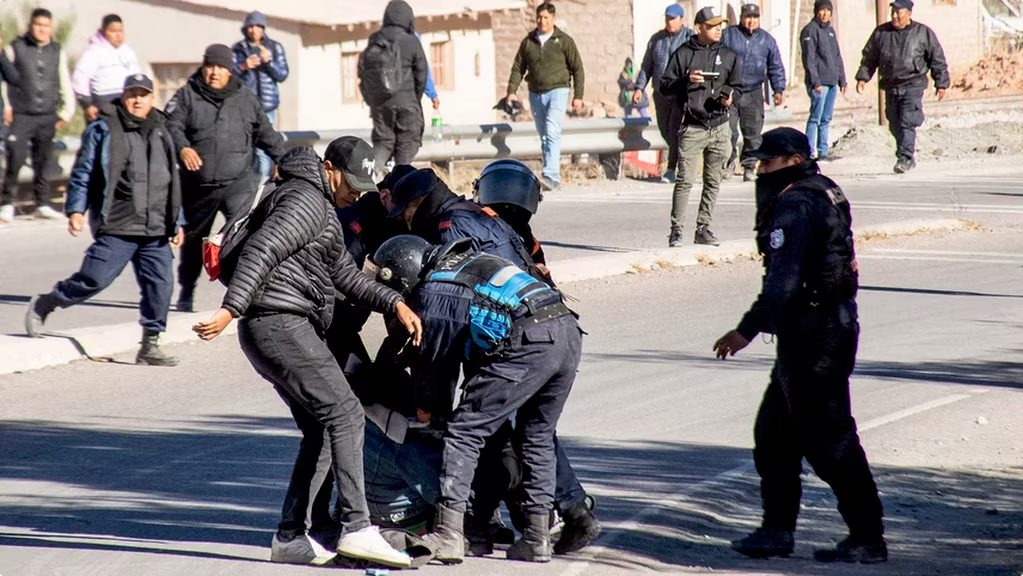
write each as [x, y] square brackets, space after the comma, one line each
[346, 12]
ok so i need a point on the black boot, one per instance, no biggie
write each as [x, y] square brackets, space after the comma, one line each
[870, 551]
[581, 527]
[447, 540]
[39, 307]
[535, 544]
[479, 541]
[763, 543]
[150, 353]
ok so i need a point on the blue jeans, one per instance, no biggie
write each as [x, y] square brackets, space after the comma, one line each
[548, 114]
[263, 163]
[104, 261]
[402, 480]
[821, 108]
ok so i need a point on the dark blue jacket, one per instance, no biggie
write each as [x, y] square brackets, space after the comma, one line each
[101, 158]
[658, 51]
[444, 216]
[263, 80]
[822, 58]
[759, 57]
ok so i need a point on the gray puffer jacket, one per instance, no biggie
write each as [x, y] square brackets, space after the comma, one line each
[296, 261]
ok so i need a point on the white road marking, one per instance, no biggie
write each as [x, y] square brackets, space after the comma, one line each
[936, 259]
[580, 566]
[948, 252]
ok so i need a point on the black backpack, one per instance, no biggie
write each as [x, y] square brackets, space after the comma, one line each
[221, 251]
[380, 70]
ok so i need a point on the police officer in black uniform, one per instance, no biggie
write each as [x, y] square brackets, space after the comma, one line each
[808, 300]
[492, 320]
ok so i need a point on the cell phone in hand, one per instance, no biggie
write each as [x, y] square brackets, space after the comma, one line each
[710, 74]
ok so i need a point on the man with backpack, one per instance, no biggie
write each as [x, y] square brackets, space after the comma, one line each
[392, 78]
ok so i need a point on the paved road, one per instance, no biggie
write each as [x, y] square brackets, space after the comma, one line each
[575, 222]
[111, 469]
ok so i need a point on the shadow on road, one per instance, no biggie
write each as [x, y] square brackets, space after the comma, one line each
[220, 481]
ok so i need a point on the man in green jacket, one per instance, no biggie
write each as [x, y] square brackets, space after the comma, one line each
[550, 63]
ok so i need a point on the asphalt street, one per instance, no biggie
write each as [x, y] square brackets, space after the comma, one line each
[575, 222]
[112, 469]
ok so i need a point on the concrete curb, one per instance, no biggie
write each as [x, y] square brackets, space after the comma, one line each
[21, 353]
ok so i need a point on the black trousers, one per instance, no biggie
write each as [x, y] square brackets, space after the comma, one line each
[397, 134]
[533, 378]
[806, 413]
[904, 109]
[200, 205]
[746, 118]
[33, 133]
[669, 120]
[288, 352]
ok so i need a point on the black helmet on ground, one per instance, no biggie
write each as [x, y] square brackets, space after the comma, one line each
[508, 181]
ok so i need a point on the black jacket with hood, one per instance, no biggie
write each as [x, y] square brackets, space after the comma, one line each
[223, 126]
[400, 27]
[296, 261]
[701, 102]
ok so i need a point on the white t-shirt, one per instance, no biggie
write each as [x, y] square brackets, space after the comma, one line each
[543, 38]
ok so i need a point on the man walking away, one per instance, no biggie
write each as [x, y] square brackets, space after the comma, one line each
[100, 72]
[38, 106]
[807, 299]
[759, 58]
[658, 51]
[392, 78]
[702, 76]
[551, 65]
[903, 51]
[215, 122]
[260, 64]
[126, 178]
[825, 75]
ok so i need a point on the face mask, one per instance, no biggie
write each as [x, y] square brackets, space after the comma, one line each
[769, 186]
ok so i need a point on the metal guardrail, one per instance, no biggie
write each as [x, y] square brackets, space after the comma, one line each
[480, 141]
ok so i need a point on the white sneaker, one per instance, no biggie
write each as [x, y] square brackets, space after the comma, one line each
[47, 213]
[7, 213]
[301, 550]
[367, 544]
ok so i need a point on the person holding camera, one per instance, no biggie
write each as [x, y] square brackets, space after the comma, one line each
[702, 75]
[260, 64]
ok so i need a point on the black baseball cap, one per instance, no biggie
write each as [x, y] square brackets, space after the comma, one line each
[749, 10]
[354, 157]
[709, 16]
[396, 173]
[411, 186]
[138, 81]
[907, 4]
[782, 142]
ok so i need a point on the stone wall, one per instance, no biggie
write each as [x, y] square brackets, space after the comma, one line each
[602, 30]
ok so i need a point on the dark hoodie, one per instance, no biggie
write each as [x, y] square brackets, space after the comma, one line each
[445, 216]
[701, 102]
[400, 27]
[222, 126]
[295, 262]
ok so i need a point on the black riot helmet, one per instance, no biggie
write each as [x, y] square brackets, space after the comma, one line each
[400, 261]
[508, 181]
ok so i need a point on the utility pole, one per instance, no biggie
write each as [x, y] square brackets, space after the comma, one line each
[882, 17]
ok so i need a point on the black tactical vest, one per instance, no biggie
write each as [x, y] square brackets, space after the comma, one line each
[39, 92]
